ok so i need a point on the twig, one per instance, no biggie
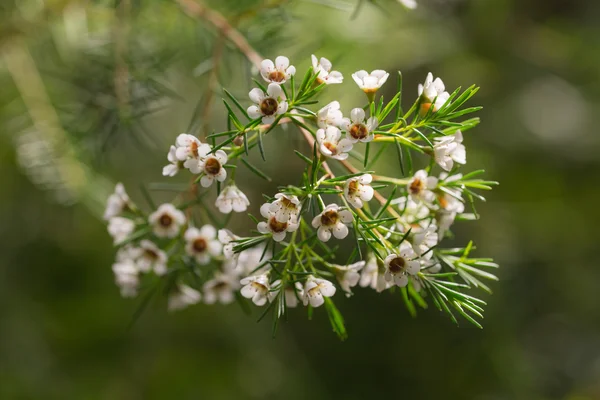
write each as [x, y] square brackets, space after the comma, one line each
[198, 10]
[121, 38]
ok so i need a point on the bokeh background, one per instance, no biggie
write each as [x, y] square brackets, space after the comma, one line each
[64, 140]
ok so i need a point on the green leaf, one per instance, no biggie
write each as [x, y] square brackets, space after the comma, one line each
[255, 170]
[336, 319]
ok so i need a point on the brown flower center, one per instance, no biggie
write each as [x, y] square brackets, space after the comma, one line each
[287, 203]
[416, 186]
[329, 218]
[212, 166]
[199, 245]
[277, 226]
[194, 148]
[221, 285]
[151, 254]
[165, 220]
[353, 187]
[358, 131]
[331, 147]
[268, 106]
[397, 265]
[443, 201]
[276, 76]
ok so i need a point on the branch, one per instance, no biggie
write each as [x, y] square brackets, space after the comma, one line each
[200, 11]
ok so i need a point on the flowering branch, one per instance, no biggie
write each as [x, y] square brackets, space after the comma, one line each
[287, 260]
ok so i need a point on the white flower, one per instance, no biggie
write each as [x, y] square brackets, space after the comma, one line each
[202, 244]
[166, 221]
[174, 165]
[250, 259]
[357, 190]
[277, 72]
[232, 199]
[372, 276]
[424, 239]
[226, 237]
[330, 115]
[267, 105]
[117, 202]
[332, 219]
[126, 278]
[420, 186]
[184, 296]
[315, 289]
[120, 228]
[285, 207]
[412, 211]
[331, 143]
[151, 257]
[348, 276]
[220, 289]
[291, 293]
[256, 288]
[323, 68]
[273, 226]
[448, 150]
[399, 266]
[450, 205]
[357, 130]
[210, 165]
[432, 90]
[189, 146]
[410, 4]
[370, 83]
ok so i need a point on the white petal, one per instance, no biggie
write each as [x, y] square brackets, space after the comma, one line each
[357, 115]
[256, 95]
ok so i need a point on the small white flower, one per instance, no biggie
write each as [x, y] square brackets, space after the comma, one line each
[127, 254]
[166, 221]
[357, 130]
[420, 186]
[189, 146]
[348, 276]
[373, 277]
[331, 143]
[126, 278]
[315, 289]
[151, 258]
[450, 205]
[117, 202]
[277, 72]
[210, 165]
[250, 259]
[226, 237]
[410, 4]
[330, 115]
[174, 165]
[220, 289]
[424, 239]
[202, 244]
[291, 293]
[412, 211]
[370, 82]
[323, 68]
[273, 226]
[120, 228]
[232, 199]
[267, 105]
[332, 219]
[357, 190]
[184, 296]
[399, 266]
[256, 288]
[285, 207]
[448, 150]
[432, 90]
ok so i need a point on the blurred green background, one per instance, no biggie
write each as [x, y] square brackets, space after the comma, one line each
[64, 141]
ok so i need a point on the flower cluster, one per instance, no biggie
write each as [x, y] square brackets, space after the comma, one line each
[397, 223]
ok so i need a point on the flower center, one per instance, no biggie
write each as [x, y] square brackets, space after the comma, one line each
[352, 187]
[416, 186]
[212, 166]
[220, 286]
[194, 149]
[329, 218]
[199, 245]
[397, 265]
[276, 76]
[443, 202]
[358, 131]
[331, 147]
[165, 220]
[259, 286]
[151, 254]
[268, 106]
[287, 203]
[277, 226]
